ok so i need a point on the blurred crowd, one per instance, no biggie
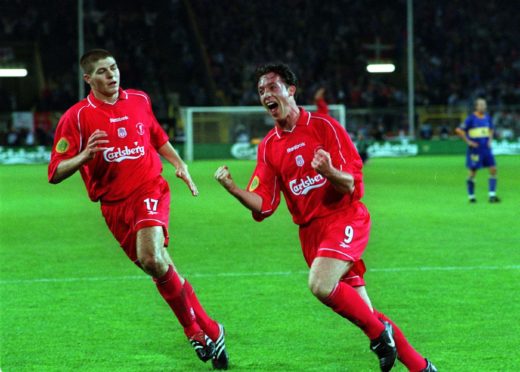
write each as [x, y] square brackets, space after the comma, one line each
[204, 52]
[461, 51]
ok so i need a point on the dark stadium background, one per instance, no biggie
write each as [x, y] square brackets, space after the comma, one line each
[199, 53]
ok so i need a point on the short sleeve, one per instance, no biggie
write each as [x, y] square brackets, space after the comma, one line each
[67, 141]
[265, 183]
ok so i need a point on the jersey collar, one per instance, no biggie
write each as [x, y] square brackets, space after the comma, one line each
[302, 120]
[97, 103]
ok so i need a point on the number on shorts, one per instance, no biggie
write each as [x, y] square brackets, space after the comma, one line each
[151, 204]
[349, 233]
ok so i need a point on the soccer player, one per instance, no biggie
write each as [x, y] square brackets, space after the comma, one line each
[312, 161]
[319, 100]
[113, 138]
[477, 132]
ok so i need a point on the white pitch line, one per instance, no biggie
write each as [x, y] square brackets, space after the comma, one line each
[255, 273]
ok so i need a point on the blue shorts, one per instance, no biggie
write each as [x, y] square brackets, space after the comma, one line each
[479, 157]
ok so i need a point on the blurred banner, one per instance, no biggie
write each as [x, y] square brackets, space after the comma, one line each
[248, 150]
[25, 155]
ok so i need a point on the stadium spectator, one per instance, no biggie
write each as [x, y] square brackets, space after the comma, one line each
[330, 40]
[312, 161]
[121, 168]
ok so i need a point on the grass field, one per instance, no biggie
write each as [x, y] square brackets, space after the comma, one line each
[446, 271]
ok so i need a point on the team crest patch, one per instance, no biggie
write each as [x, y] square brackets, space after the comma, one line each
[62, 145]
[121, 132]
[140, 128]
[300, 161]
[254, 184]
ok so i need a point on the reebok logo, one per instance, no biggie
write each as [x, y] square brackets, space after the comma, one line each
[295, 147]
[113, 155]
[116, 120]
[302, 186]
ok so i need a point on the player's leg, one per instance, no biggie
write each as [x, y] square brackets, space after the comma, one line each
[212, 328]
[493, 198]
[325, 284]
[208, 325]
[414, 361]
[470, 184]
[151, 255]
[406, 353]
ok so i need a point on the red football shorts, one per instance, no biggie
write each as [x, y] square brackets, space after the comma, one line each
[147, 206]
[343, 236]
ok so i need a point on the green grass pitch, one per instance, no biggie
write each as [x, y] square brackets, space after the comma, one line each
[446, 271]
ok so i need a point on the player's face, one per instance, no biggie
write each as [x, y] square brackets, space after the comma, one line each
[481, 105]
[275, 95]
[104, 79]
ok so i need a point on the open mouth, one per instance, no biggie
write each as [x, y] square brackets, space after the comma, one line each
[272, 106]
[112, 83]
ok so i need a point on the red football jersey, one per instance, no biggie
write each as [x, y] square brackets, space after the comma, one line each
[134, 135]
[284, 165]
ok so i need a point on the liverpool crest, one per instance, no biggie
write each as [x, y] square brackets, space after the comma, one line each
[121, 132]
[299, 161]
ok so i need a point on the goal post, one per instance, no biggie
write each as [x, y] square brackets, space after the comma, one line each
[222, 132]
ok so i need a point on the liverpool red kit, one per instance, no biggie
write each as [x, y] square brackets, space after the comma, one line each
[131, 158]
[125, 177]
[332, 224]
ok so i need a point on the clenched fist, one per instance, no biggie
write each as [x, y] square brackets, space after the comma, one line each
[322, 162]
[223, 176]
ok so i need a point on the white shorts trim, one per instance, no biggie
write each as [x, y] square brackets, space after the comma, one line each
[150, 219]
[335, 250]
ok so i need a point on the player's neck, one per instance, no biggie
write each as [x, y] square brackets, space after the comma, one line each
[108, 99]
[290, 120]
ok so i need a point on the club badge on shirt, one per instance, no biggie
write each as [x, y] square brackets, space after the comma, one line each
[62, 145]
[299, 160]
[140, 128]
[121, 132]
[254, 184]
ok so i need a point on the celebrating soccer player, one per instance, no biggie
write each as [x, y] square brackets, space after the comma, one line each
[113, 138]
[477, 132]
[312, 161]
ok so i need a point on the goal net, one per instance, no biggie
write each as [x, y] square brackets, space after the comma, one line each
[231, 132]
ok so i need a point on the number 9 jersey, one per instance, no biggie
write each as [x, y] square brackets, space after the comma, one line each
[332, 224]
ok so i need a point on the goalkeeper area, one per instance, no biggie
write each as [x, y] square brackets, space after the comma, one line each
[445, 270]
[231, 132]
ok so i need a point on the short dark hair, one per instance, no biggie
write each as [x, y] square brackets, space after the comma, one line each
[281, 69]
[92, 56]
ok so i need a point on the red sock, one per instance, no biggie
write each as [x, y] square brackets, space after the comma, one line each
[345, 301]
[170, 287]
[208, 325]
[414, 361]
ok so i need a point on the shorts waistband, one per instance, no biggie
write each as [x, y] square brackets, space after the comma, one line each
[157, 179]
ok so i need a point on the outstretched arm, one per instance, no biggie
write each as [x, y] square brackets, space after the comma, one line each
[342, 181]
[249, 199]
[181, 169]
[68, 167]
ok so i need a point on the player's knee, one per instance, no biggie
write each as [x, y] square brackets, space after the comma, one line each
[319, 287]
[153, 263]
